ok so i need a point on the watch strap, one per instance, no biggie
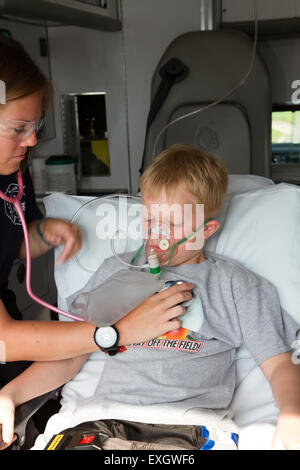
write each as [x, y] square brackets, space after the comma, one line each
[40, 233]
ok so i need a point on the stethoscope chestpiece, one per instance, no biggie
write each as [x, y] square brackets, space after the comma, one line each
[168, 284]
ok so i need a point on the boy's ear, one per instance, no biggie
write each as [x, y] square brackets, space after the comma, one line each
[210, 228]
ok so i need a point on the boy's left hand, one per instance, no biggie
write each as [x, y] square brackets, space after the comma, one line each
[287, 433]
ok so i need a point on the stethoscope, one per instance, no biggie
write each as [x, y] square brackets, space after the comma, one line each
[16, 201]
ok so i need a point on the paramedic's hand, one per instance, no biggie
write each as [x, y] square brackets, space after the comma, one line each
[57, 232]
[155, 316]
[7, 418]
[287, 433]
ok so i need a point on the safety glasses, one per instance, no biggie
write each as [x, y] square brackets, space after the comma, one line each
[19, 130]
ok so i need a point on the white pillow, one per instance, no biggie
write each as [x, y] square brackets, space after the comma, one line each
[243, 183]
[237, 184]
[262, 232]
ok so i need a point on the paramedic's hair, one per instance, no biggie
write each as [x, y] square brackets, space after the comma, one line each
[202, 175]
[21, 75]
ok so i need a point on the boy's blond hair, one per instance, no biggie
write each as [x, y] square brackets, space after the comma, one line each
[202, 175]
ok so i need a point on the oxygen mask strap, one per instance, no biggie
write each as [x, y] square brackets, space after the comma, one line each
[183, 241]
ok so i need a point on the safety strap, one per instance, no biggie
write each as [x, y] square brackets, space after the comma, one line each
[174, 71]
[113, 443]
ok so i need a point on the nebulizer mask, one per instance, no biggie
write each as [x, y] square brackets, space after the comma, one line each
[156, 244]
[160, 247]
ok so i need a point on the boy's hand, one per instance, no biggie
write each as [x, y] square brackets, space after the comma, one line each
[7, 418]
[155, 316]
[287, 434]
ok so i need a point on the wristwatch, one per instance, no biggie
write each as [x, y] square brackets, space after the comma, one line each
[106, 339]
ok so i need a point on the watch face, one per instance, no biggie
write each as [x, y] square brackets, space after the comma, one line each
[106, 337]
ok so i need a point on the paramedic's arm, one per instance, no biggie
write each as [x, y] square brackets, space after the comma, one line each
[284, 377]
[43, 341]
[55, 232]
[39, 378]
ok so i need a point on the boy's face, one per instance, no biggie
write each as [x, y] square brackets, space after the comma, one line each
[174, 217]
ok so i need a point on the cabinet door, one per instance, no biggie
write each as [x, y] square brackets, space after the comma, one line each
[71, 133]
[95, 14]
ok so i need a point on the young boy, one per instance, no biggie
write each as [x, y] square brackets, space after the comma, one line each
[188, 375]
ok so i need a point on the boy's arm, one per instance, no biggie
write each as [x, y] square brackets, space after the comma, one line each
[284, 378]
[39, 378]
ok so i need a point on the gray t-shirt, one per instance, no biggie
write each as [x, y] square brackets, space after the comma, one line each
[196, 368]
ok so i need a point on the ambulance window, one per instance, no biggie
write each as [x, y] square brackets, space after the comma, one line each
[286, 144]
[285, 136]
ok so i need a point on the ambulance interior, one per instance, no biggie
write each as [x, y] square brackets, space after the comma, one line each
[131, 78]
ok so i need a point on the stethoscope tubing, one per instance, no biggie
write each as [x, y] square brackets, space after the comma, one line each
[16, 201]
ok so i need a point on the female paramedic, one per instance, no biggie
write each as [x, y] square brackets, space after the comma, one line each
[27, 94]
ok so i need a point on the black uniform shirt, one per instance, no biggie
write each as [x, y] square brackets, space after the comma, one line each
[11, 233]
